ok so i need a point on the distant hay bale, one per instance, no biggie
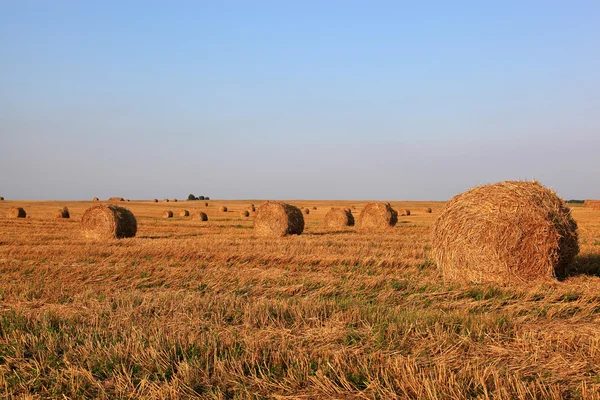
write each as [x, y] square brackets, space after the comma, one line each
[404, 212]
[16, 212]
[166, 200]
[245, 213]
[96, 199]
[277, 219]
[168, 214]
[427, 210]
[63, 213]
[338, 218]
[306, 211]
[155, 200]
[184, 213]
[200, 215]
[354, 207]
[511, 231]
[205, 204]
[223, 209]
[591, 203]
[104, 221]
[377, 216]
[116, 199]
[174, 200]
[1, 198]
[251, 208]
[314, 208]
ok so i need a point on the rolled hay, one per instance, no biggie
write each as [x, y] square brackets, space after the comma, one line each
[116, 199]
[337, 218]
[245, 213]
[184, 213]
[128, 200]
[223, 209]
[174, 200]
[200, 215]
[306, 211]
[511, 231]
[96, 199]
[205, 204]
[1, 198]
[314, 208]
[63, 213]
[166, 200]
[168, 214]
[404, 212]
[108, 221]
[378, 216]
[591, 203]
[427, 210]
[251, 208]
[155, 200]
[277, 219]
[354, 207]
[16, 212]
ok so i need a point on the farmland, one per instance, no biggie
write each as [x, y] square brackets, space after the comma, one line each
[193, 309]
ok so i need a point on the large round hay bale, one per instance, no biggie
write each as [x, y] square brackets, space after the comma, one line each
[168, 214]
[184, 213]
[116, 199]
[200, 215]
[108, 221]
[16, 212]
[63, 213]
[223, 209]
[427, 210]
[277, 219]
[404, 212]
[245, 214]
[306, 211]
[376, 216]
[338, 218]
[505, 232]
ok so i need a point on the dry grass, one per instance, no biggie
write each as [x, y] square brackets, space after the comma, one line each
[592, 203]
[192, 309]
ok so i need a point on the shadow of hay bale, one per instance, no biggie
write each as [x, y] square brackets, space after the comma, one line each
[588, 264]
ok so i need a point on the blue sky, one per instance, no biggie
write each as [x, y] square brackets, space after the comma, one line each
[305, 100]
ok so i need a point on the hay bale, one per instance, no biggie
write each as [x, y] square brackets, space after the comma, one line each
[200, 215]
[128, 200]
[184, 213]
[404, 212]
[116, 199]
[306, 211]
[105, 221]
[174, 200]
[205, 204]
[1, 198]
[354, 207]
[168, 214]
[155, 200]
[338, 218]
[245, 214]
[511, 231]
[166, 200]
[251, 208]
[63, 213]
[96, 199]
[16, 212]
[223, 209]
[591, 203]
[427, 210]
[314, 208]
[277, 219]
[377, 216]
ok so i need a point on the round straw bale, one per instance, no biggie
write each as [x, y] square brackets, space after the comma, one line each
[16, 212]
[168, 214]
[251, 208]
[63, 213]
[116, 199]
[174, 200]
[96, 199]
[404, 212]
[427, 210]
[200, 215]
[1, 198]
[276, 219]
[245, 213]
[354, 207]
[108, 221]
[128, 200]
[223, 209]
[337, 218]
[511, 231]
[306, 211]
[184, 213]
[166, 200]
[205, 204]
[377, 216]
[314, 208]
[155, 200]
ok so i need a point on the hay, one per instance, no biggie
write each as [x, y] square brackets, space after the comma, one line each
[276, 219]
[314, 208]
[511, 231]
[63, 213]
[128, 200]
[174, 200]
[16, 212]
[245, 213]
[591, 203]
[404, 212]
[251, 208]
[205, 204]
[200, 215]
[377, 216]
[306, 211]
[184, 213]
[96, 199]
[116, 199]
[1, 198]
[223, 209]
[155, 200]
[166, 200]
[337, 218]
[168, 214]
[108, 221]
[427, 210]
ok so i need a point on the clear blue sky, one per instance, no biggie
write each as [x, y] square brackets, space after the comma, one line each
[313, 100]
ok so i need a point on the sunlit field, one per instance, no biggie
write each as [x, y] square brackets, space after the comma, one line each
[191, 309]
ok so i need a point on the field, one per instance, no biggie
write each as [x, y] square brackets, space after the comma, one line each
[191, 309]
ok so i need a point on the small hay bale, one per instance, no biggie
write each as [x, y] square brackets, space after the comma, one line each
[377, 216]
[96, 199]
[107, 221]
[314, 208]
[306, 211]
[245, 213]
[223, 209]
[1, 198]
[354, 207]
[166, 200]
[127, 200]
[174, 200]
[277, 219]
[63, 213]
[168, 214]
[511, 231]
[591, 203]
[404, 212]
[184, 213]
[155, 200]
[200, 215]
[116, 199]
[337, 218]
[251, 208]
[427, 210]
[205, 204]
[16, 212]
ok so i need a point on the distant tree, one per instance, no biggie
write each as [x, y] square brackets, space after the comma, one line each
[192, 197]
[207, 198]
[200, 197]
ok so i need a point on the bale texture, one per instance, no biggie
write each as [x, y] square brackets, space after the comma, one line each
[592, 203]
[376, 216]
[108, 221]
[245, 213]
[306, 211]
[511, 231]
[16, 212]
[223, 209]
[168, 214]
[404, 212]
[63, 213]
[200, 216]
[338, 218]
[277, 219]
[96, 199]
[116, 199]
[427, 210]
[184, 213]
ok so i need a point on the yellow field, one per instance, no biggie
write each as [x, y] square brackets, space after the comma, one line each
[191, 309]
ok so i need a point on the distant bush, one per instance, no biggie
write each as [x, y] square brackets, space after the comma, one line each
[575, 201]
[192, 197]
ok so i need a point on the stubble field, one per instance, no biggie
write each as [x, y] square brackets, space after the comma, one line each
[191, 309]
